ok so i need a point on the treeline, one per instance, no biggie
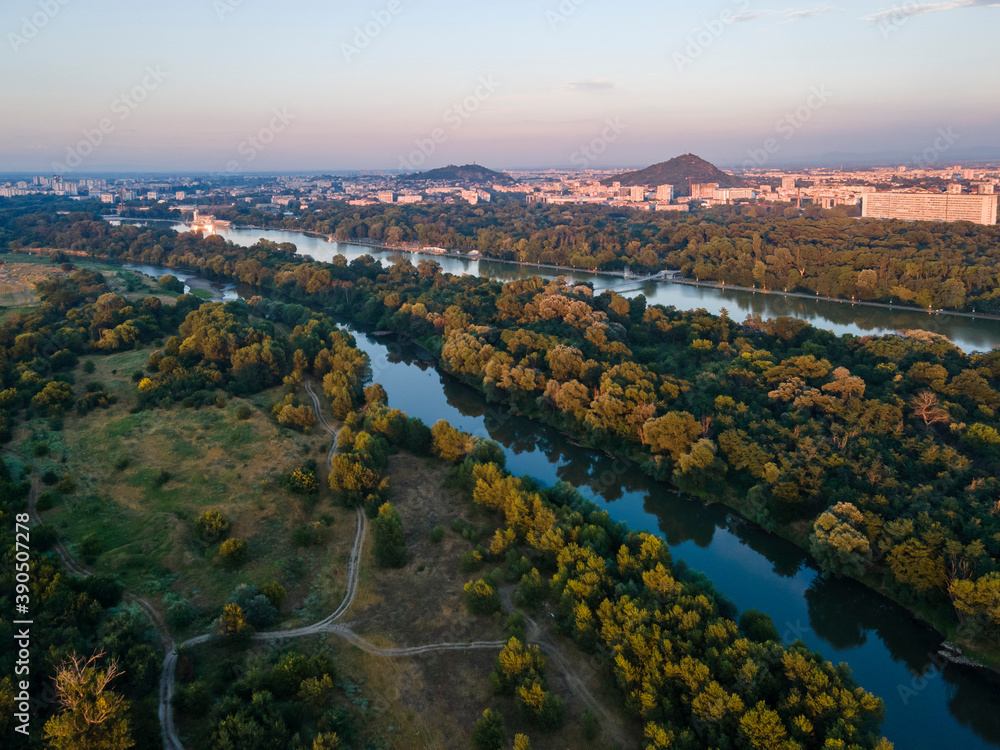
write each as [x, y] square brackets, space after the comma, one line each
[788, 424]
[924, 264]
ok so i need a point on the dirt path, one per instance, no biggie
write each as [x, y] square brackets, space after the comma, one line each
[611, 724]
[168, 730]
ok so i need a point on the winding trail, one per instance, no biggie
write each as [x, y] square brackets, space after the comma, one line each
[168, 728]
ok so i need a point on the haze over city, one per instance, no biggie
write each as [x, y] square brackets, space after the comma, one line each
[185, 85]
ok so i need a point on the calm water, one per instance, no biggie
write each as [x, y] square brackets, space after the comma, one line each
[891, 654]
[839, 317]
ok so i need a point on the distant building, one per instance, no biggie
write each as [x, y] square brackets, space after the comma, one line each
[979, 209]
[955, 188]
[180, 195]
[788, 183]
[665, 193]
[704, 190]
[107, 197]
[387, 196]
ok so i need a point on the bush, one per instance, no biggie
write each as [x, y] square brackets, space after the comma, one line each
[180, 614]
[91, 546]
[589, 725]
[490, 733]
[758, 626]
[243, 412]
[471, 561]
[212, 525]
[107, 591]
[256, 607]
[66, 485]
[50, 478]
[233, 553]
[437, 534]
[275, 594]
[89, 367]
[40, 449]
[481, 597]
[43, 537]
[390, 543]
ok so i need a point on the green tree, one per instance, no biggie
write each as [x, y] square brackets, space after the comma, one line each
[490, 732]
[390, 542]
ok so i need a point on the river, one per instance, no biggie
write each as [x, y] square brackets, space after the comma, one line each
[969, 334]
[930, 705]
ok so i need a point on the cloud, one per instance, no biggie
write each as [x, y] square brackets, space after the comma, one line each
[789, 15]
[591, 86]
[920, 9]
[801, 15]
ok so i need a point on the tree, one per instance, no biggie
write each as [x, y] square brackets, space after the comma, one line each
[837, 542]
[927, 406]
[375, 394]
[326, 741]
[233, 552]
[481, 597]
[171, 283]
[673, 433]
[212, 525]
[232, 625]
[490, 733]
[390, 542]
[314, 692]
[91, 715]
[450, 444]
[913, 563]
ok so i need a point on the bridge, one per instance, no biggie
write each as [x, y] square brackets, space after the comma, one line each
[634, 283]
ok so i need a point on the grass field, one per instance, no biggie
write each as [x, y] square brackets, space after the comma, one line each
[143, 479]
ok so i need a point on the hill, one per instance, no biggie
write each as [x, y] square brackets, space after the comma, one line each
[680, 171]
[470, 174]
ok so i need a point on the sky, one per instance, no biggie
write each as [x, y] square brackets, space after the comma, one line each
[246, 86]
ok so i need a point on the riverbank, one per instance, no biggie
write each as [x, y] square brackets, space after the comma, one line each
[721, 286]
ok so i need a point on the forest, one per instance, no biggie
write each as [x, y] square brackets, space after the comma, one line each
[771, 247]
[879, 455]
[691, 672]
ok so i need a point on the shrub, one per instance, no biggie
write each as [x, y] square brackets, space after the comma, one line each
[243, 412]
[256, 607]
[233, 553]
[66, 485]
[91, 546]
[89, 367]
[275, 593]
[50, 477]
[232, 625]
[390, 543]
[758, 626]
[490, 733]
[437, 534]
[481, 598]
[212, 525]
[180, 614]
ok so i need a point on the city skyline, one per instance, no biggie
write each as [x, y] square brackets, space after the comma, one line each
[106, 86]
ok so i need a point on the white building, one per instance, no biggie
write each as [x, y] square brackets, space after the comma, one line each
[979, 209]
